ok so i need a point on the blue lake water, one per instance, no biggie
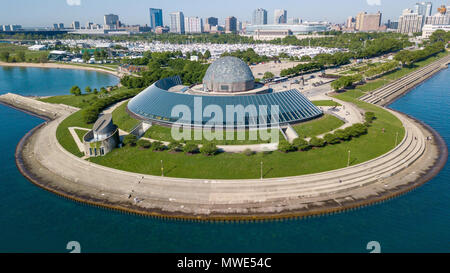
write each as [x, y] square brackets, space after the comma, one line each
[33, 81]
[33, 220]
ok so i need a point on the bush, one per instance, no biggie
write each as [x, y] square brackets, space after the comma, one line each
[190, 148]
[129, 140]
[358, 129]
[286, 147]
[144, 143]
[331, 139]
[369, 116]
[175, 146]
[248, 152]
[317, 142]
[300, 144]
[342, 134]
[158, 146]
[209, 148]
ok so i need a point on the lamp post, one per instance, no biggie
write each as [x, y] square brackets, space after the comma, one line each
[261, 170]
[162, 168]
[348, 160]
[396, 140]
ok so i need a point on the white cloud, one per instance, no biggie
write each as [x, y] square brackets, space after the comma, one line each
[73, 2]
[374, 2]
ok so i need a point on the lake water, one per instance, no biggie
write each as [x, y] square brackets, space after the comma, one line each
[33, 220]
[33, 81]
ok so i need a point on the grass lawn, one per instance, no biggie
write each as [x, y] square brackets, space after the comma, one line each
[389, 77]
[327, 123]
[30, 56]
[80, 101]
[325, 103]
[80, 133]
[122, 119]
[63, 134]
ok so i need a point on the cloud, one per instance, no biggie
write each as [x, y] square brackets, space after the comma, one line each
[374, 2]
[73, 2]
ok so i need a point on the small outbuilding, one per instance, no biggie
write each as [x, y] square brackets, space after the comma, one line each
[103, 137]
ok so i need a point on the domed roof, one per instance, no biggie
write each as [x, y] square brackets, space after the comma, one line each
[229, 71]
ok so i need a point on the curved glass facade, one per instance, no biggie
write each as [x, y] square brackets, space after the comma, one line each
[156, 104]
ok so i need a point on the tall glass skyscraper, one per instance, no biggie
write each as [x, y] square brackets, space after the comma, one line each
[259, 17]
[156, 18]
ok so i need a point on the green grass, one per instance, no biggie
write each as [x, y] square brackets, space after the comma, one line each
[325, 103]
[80, 133]
[389, 77]
[122, 119]
[276, 164]
[30, 56]
[165, 134]
[319, 126]
[82, 101]
[63, 134]
[75, 101]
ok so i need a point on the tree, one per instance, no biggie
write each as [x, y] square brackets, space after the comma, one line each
[129, 140]
[175, 146]
[145, 144]
[209, 149]
[75, 90]
[4, 56]
[20, 56]
[342, 134]
[331, 139]
[301, 144]
[158, 146]
[95, 91]
[88, 90]
[86, 56]
[317, 142]
[268, 75]
[286, 147]
[207, 55]
[190, 148]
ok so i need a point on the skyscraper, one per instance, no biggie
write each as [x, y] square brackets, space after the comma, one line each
[156, 18]
[212, 21]
[423, 8]
[259, 17]
[193, 25]
[75, 25]
[230, 24]
[177, 22]
[368, 22]
[111, 21]
[280, 16]
[410, 22]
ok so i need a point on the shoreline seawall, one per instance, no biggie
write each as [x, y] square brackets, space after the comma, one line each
[61, 66]
[327, 208]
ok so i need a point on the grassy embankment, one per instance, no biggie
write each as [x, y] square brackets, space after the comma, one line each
[30, 56]
[276, 164]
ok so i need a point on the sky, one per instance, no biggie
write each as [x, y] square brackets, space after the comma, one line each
[43, 13]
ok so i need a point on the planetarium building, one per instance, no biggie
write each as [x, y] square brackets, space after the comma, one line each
[228, 84]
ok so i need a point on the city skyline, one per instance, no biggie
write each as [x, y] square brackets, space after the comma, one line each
[47, 12]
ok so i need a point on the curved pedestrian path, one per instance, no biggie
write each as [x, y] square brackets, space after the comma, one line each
[205, 197]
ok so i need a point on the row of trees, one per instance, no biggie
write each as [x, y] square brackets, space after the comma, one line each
[90, 113]
[248, 56]
[381, 69]
[346, 81]
[208, 149]
[302, 68]
[76, 90]
[408, 57]
[300, 144]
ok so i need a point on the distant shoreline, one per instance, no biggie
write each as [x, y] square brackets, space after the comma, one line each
[59, 66]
